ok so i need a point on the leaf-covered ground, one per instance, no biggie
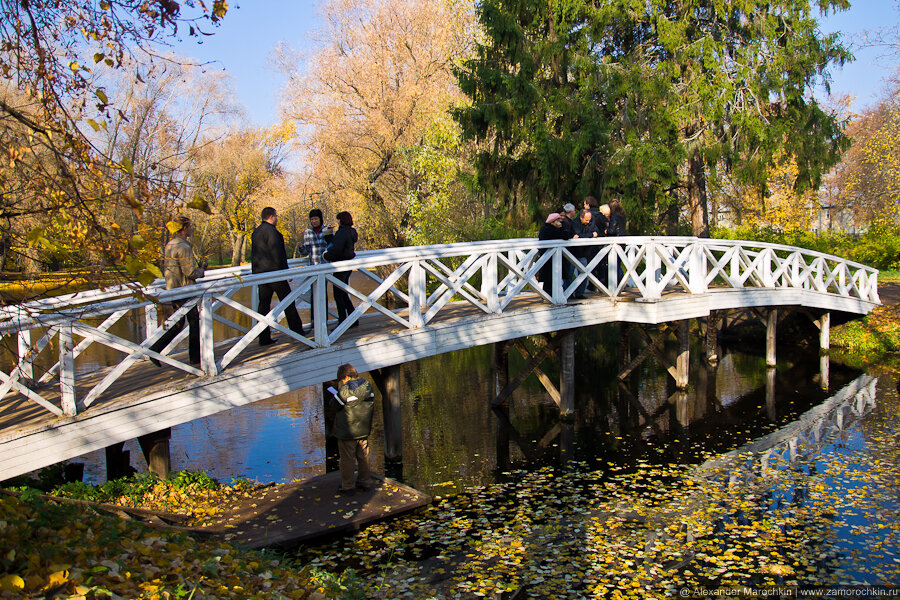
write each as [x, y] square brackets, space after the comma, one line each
[192, 494]
[872, 340]
[50, 550]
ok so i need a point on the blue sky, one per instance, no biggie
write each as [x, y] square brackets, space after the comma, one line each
[242, 45]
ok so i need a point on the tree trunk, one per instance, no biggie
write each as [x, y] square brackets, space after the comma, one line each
[31, 261]
[4, 251]
[697, 196]
[238, 244]
[671, 218]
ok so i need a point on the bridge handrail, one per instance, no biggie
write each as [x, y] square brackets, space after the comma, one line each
[105, 301]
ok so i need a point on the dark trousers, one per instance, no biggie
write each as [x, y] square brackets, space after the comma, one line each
[282, 289]
[193, 321]
[342, 298]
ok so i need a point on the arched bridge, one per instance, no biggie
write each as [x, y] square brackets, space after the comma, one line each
[413, 302]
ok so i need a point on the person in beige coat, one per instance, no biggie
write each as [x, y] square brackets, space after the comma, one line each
[180, 270]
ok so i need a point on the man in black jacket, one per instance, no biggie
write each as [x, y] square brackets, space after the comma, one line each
[267, 254]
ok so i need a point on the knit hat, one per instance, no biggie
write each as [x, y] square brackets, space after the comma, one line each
[316, 213]
[553, 216]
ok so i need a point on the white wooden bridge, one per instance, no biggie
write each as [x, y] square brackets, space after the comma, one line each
[410, 303]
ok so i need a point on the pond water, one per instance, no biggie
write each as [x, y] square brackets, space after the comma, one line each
[635, 495]
[453, 440]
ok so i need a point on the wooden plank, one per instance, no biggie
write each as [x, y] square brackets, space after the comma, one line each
[542, 377]
[287, 515]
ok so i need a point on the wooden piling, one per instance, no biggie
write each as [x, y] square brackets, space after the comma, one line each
[824, 371]
[712, 337]
[567, 374]
[155, 447]
[771, 409]
[824, 325]
[567, 442]
[329, 408]
[504, 461]
[499, 367]
[771, 326]
[388, 381]
[683, 363]
[118, 462]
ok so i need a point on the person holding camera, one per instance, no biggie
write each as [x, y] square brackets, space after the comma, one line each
[315, 240]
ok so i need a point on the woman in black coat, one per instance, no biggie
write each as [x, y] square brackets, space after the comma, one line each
[616, 219]
[552, 229]
[342, 247]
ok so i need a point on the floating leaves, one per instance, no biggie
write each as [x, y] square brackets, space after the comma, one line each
[646, 530]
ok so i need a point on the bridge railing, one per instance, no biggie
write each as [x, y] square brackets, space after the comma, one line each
[412, 287]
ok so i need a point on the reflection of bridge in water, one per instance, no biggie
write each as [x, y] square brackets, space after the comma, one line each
[818, 427]
[410, 303]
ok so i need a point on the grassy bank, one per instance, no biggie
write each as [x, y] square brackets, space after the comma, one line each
[53, 549]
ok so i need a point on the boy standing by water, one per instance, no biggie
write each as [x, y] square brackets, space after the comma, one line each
[352, 426]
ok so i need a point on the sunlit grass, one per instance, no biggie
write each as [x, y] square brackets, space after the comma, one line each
[889, 277]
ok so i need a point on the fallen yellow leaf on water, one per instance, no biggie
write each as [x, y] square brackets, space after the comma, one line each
[12, 583]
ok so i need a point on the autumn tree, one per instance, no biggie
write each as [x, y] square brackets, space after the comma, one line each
[649, 101]
[171, 112]
[236, 175]
[371, 106]
[868, 179]
[54, 56]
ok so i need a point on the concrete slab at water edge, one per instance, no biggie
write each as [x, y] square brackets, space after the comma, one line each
[290, 514]
[889, 293]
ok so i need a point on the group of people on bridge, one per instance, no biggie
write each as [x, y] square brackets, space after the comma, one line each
[322, 243]
[592, 221]
[267, 253]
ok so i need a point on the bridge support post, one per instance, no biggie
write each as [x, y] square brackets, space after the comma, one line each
[683, 362]
[567, 442]
[713, 322]
[771, 326]
[771, 409]
[567, 375]
[548, 345]
[503, 438]
[824, 371]
[388, 382]
[332, 453]
[155, 447]
[499, 368]
[118, 462]
[824, 325]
